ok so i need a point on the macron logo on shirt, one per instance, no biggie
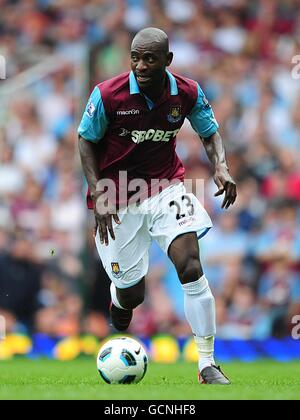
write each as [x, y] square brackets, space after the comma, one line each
[129, 112]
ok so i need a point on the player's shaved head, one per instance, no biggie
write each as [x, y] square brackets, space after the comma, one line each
[152, 38]
[150, 56]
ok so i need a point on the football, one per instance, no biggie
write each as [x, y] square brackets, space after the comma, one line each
[122, 361]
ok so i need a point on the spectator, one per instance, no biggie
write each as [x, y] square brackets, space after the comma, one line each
[224, 251]
[19, 282]
[279, 291]
[245, 318]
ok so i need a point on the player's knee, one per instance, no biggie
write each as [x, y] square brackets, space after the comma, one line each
[133, 296]
[190, 270]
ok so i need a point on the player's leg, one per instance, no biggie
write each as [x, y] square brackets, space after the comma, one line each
[124, 301]
[198, 299]
[126, 262]
[199, 303]
[174, 227]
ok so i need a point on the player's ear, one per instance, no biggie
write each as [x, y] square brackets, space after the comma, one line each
[169, 58]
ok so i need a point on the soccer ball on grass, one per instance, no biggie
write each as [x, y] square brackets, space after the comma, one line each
[122, 361]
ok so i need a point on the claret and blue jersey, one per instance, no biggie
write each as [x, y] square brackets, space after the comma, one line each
[139, 136]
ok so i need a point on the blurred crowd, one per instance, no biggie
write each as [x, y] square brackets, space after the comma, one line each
[51, 279]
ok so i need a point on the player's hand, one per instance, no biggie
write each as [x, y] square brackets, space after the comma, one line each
[103, 218]
[226, 184]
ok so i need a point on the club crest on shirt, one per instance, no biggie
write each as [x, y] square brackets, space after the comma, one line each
[175, 114]
[116, 270]
[91, 109]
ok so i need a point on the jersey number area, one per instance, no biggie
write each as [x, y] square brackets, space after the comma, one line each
[184, 208]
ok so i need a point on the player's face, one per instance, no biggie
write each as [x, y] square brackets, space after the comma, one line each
[149, 64]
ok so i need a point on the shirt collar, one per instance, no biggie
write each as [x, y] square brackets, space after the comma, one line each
[134, 87]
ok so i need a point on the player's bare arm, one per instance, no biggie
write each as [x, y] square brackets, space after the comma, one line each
[216, 153]
[103, 213]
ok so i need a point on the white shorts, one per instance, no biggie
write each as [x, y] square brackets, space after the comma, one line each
[162, 217]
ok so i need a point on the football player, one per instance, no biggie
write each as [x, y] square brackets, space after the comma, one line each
[127, 142]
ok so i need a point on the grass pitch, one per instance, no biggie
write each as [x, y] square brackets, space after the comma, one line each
[50, 379]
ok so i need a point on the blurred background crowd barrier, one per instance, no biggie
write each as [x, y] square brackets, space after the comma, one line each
[241, 53]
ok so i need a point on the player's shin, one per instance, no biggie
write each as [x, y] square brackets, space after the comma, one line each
[120, 317]
[200, 312]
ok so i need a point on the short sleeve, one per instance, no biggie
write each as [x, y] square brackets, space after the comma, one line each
[94, 122]
[202, 117]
